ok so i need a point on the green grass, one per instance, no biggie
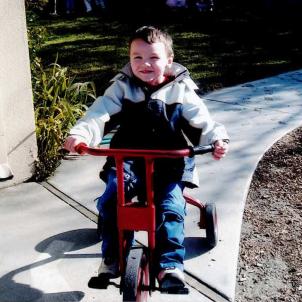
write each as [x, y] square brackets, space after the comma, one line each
[221, 50]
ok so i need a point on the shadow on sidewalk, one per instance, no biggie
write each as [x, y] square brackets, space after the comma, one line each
[56, 246]
[195, 246]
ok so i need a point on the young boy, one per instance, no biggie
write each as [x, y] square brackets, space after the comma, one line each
[154, 102]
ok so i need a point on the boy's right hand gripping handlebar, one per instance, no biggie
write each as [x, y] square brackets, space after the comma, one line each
[82, 148]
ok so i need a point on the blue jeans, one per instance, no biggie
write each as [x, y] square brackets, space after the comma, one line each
[70, 5]
[170, 213]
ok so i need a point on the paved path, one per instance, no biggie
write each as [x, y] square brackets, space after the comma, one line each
[49, 251]
[48, 247]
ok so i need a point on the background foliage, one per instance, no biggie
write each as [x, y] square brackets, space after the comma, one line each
[58, 102]
[239, 41]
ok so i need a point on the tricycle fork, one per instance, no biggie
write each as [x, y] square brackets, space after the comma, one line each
[201, 206]
[134, 217]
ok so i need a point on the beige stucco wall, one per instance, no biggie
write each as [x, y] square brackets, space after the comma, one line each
[17, 133]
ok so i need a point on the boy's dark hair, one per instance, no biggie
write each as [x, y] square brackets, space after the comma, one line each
[150, 34]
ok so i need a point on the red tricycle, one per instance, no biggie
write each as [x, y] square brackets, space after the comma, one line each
[137, 277]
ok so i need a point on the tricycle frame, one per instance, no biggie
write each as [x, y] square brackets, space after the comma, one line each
[133, 216]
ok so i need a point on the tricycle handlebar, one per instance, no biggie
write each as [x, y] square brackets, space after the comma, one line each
[84, 149]
[202, 149]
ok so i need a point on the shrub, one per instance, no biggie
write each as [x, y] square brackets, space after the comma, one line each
[58, 102]
[35, 4]
[36, 37]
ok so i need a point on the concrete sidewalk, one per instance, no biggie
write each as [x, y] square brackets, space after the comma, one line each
[49, 250]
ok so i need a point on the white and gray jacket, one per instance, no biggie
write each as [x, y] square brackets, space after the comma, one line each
[165, 118]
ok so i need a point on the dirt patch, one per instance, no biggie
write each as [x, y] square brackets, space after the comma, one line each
[270, 262]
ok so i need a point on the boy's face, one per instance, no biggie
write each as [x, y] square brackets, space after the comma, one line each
[149, 61]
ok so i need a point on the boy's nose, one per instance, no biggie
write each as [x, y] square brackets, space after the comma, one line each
[147, 63]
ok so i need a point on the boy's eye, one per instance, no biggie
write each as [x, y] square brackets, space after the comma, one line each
[137, 57]
[154, 57]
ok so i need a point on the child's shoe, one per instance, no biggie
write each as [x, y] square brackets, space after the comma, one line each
[171, 278]
[109, 268]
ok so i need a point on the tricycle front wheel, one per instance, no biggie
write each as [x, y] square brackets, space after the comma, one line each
[136, 280]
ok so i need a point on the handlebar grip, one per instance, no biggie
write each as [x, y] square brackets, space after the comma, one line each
[202, 149]
[80, 148]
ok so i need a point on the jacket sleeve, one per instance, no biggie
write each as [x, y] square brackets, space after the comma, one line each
[198, 116]
[90, 128]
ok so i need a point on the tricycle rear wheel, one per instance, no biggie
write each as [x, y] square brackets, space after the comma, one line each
[136, 280]
[211, 224]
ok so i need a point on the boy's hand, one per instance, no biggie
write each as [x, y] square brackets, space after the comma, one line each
[70, 143]
[221, 149]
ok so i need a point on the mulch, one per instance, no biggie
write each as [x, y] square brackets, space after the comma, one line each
[270, 262]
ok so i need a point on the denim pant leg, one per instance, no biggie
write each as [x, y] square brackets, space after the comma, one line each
[170, 250]
[69, 5]
[101, 3]
[107, 207]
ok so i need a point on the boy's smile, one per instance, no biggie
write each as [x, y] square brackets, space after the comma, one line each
[149, 61]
